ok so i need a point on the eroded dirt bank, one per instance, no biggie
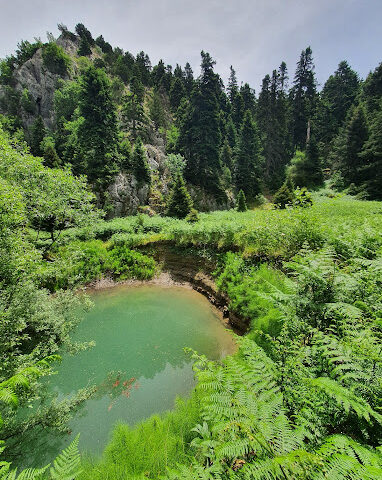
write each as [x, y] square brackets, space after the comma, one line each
[182, 268]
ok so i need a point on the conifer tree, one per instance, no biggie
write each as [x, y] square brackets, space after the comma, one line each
[355, 135]
[157, 113]
[232, 84]
[140, 165]
[179, 204]
[303, 97]
[158, 73]
[305, 169]
[272, 115]
[337, 96]
[248, 163]
[125, 153]
[226, 157]
[284, 196]
[51, 158]
[188, 78]
[97, 133]
[133, 112]
[177, 92]
[200, 138]
[37, 135]
[231, 133]
[371, 155]
[241, 202]
[249, 98]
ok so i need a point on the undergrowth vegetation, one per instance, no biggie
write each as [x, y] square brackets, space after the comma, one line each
[301, 399]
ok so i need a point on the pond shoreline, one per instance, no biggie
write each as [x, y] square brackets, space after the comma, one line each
[183, 277]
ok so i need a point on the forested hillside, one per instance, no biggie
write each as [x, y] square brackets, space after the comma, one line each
[268, 203]
[80, 102]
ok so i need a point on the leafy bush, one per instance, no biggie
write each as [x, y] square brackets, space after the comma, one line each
[55, 59]
[126, 263]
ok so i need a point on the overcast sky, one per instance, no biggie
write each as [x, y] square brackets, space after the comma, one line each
[252, 35]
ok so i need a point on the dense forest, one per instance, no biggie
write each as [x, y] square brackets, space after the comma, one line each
[104, 159]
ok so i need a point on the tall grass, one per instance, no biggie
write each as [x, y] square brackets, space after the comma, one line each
[147, 449]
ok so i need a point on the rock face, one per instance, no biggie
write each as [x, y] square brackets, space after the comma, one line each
[205, 202]
[41, 84]
[125, 195]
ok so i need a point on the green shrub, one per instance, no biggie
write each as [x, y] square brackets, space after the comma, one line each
[55, 59]
[75, 264]
[126, 263]
[193, 216]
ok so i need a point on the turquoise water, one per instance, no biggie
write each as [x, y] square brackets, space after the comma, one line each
[138, 363]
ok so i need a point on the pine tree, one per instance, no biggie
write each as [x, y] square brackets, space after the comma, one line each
[305, 169]
[157, 113]
[37, 135]
[177, 92]
[371, 155]
[179, 204]
[125, 153]
[355, 135]
[249, 98]
[97, 133]
[133, 112]
[272, 114]
[158, 73]
[140, 165]
[303, 97]
[284, 196]
[241, 204]
[200, 138]
[188, 78]
[248, 163]
[226, 155]
[51, 158]
[337, 96]
[232, 84]
[231, 133]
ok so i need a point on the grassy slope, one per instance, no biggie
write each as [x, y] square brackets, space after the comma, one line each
[348, 226]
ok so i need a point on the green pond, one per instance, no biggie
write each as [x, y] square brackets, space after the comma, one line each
[138, 363]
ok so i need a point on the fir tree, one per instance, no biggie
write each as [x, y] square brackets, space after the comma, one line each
[248, 161]
[158, 73]
[97, 133]
[241, 204]
[355, 135]
[179, 204]
[337, 96]
[157, 113]
[226, 155]
[249, 98]
[272, 115]
[303, 97]
[140, 165]
[305, 169]
[231, 133]
[133, 113]
[232, 84]
[199, 139]
[177, 92]
[371, 155]
[37, 135]
[125, 154]
[51, 158]
[188, 78]
[284, 196]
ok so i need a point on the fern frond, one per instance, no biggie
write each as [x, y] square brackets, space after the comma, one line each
[345, 398]
[67, 465]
